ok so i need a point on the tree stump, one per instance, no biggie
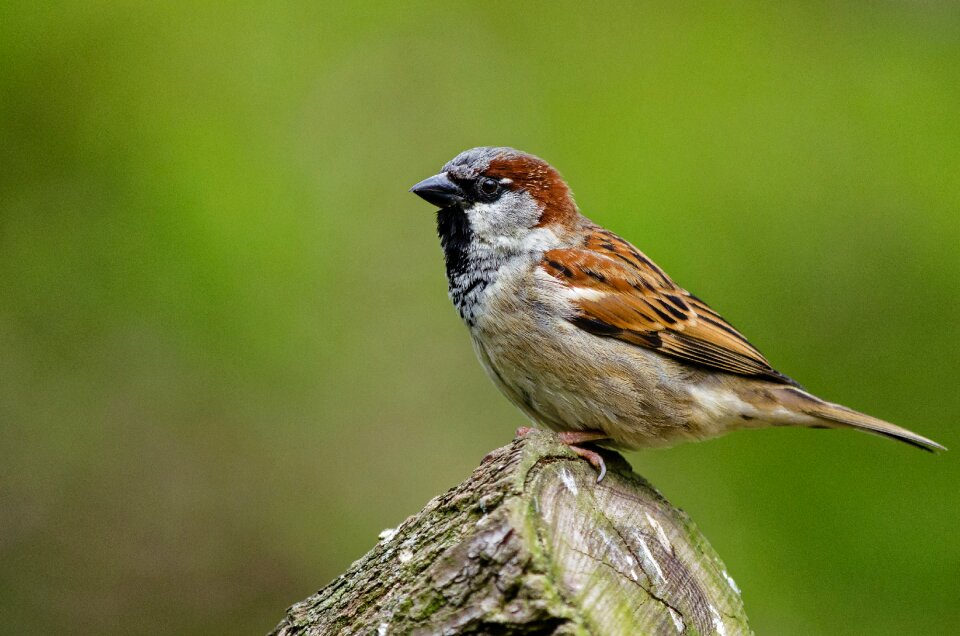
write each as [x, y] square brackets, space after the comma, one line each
[531, 544]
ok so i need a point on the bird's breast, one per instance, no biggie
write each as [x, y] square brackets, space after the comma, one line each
[490, 286]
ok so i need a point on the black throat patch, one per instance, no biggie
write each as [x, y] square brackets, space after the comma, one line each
[467, 275]
[455, 237]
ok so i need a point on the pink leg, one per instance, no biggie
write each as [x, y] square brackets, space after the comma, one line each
[579, 437]
[571, 439]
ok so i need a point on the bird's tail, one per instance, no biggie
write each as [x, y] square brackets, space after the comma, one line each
[837, 416]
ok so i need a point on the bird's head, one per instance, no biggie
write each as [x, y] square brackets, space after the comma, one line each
[500, 193]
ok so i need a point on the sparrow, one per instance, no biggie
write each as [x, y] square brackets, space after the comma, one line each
[587, 335]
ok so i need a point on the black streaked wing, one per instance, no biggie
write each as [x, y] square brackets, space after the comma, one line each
[626, 296]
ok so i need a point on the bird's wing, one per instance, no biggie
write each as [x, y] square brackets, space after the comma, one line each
[617, 292]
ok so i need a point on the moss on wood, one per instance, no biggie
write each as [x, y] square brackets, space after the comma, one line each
[530, 544]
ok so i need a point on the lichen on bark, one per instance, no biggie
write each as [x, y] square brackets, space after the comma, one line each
[531, 544]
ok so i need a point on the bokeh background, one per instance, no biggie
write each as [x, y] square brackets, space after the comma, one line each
[227, 359]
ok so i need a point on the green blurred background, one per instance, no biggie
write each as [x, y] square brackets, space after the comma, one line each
[227, 359]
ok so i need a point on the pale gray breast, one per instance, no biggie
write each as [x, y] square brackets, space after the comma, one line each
[568, 379]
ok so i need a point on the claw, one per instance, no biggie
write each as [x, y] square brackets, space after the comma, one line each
[570, 439]
[593, 458]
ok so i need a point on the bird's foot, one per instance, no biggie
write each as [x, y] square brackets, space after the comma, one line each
[593, 457]
[571, 439]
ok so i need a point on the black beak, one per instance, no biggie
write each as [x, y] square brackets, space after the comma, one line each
[439, 190]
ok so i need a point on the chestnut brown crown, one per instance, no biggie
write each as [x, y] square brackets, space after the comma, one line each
[512, 170]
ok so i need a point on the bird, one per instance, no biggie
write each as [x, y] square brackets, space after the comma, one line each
[587, 335]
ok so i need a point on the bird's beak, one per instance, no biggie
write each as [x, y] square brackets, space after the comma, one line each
[439, 190]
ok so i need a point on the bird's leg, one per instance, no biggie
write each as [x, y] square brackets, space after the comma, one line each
[579, 437]
[570, 439]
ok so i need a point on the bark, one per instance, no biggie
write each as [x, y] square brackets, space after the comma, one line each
[531, 544]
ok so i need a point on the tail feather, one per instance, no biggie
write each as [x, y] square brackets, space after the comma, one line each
[837, 416]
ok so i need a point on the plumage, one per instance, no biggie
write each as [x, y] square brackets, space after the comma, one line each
[586, 334]
[638, 303]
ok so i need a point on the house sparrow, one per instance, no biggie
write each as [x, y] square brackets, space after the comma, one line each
[586, 335]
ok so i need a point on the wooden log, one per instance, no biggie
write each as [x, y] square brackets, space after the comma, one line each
[531, 544]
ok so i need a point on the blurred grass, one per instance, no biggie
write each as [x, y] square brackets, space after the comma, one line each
[228, 360]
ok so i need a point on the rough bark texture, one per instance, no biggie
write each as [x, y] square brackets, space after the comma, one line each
[531, 544]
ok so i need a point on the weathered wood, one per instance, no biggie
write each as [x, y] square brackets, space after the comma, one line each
[530, 544]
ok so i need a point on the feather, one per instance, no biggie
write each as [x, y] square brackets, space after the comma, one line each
[617, 292]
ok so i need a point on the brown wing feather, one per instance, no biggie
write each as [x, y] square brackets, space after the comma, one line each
[635, 301]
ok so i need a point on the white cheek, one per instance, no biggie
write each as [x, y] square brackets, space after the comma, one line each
[510, 216]
[507, 227]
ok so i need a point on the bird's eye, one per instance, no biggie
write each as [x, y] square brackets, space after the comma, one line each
[488, 187]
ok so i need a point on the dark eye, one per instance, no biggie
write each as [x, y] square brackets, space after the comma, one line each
[488, 187]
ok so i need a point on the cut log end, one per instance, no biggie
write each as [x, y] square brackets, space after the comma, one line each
[531, 544]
